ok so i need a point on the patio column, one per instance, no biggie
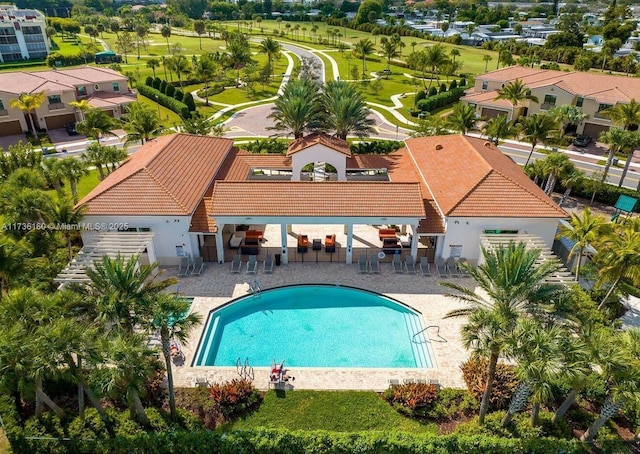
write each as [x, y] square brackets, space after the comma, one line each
[220, 245]
[414, 242]
[284, 228]
[349, 232]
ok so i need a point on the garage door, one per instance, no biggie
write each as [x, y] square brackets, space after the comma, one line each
[492, 113]
[58, 121]
[594, 130]
[10, 128]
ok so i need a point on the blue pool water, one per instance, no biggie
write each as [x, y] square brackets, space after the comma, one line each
[314, 326]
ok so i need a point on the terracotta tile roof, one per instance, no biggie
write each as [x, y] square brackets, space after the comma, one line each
[334, 143]
[167, 176]
[28, 82]
[470, 177]
[106, 99]
[487, 98]
[433, 223]
[201, 221]
[238, 163]
[370, 199]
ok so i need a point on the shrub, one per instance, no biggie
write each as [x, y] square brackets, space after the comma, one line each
[443, 88]
[505, 382]
[156, 83]
[463, 82]
[170, 91]
[197, 402]
[267, 146]
[56, 59]
[420, 95]
[433, 91]
[149, 81]
[189, 102]
[412, 398]
[453, 85]
[179, 95]
[168, 102]
[520, 428]
[440, 100]
[452, 403]
[234, 397]
[376, 147]
[211, 91]
[163, 87]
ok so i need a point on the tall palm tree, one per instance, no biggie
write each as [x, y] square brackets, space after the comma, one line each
[486, 59]
[168, 314]
[570, 180]
[200, 28]
[73, 169]
[625, 115]
[271, 48]
[537, 128]
[346, 110]
[204, 69]
[153, 63]
[632, 143]
[12, 259]
[238, 53]
[141, 123]
[617, 139]
[390, 51]
[454, 53]
[28, 103]
[556, 165]
[362, 49]
[462, 118]
[82, 106]
[515, 286]
[62, 211]
[296, 110]
[498, 128]
[180, 65]
[568, 115]
[54, 174]
[434, 57]
[516, 92]
[96, 123]
[165, 31]
[95, 156]
[584, 229]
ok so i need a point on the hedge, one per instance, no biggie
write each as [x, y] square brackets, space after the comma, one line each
[278, 441]
[441, 99]
[168, 102]
[608, 194]
[56, 59]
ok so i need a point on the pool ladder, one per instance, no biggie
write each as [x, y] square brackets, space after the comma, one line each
[245, 370]
[255, 287]
[436, 338]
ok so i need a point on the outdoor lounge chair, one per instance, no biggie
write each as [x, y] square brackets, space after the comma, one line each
[441, 267]
[452, 267]
[268, 265]
[330, 243]
[252, 264]
[425, 268]
[374, 266]
[362, 264]
[236, 264]
[397, 264]
[410, 264]
[197, 266]
[303, 244]
[183, 269]
[463, 271]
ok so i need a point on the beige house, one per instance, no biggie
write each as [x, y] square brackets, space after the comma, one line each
[103, 88]
[592, 92]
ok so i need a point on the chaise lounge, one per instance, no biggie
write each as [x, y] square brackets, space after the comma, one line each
[303, 244]
[254, 234]
[330, 243]
[386, 233]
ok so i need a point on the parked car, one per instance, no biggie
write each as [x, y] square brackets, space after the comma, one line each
[582, 141]
[71, 129]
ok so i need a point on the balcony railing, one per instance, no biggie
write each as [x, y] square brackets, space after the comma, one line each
[56, 106]
[599, 115]
[547, 105]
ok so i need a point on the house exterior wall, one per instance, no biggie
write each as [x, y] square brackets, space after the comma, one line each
[465, 232]
[562, 97]
[7, 114]
[319, 153]
[169, 232]
[47, 109]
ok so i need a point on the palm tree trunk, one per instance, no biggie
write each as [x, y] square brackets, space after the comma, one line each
[579, 265]
[486, 396]
[47, 400]
[566, 405]
[166, 351]
[609, 409]
[611, 289]
[535, 412]
[33, 125]
[607, 165]
[73, 183]
[533, 147]
[82, 382]
[80, 388]
[626, 168]
[139, 408]
[100, 171]
[518, 400]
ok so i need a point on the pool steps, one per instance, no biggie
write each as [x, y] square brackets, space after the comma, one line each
[418, 340]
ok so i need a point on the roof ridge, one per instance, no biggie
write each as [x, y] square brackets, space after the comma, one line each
[548, 201]
[164, 188]
[469, 192]
[424, 180]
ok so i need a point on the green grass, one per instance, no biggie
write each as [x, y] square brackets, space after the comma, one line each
[169, 117]
[341, 411]
[85, 185]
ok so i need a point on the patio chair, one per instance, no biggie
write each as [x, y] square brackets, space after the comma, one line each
[252, 264]
[441, 267]
[183, 268]
[374, 266]
[197, 266]
[268, 265]
[236, 264]
[393, 382]
[463, 271]
[397, 264]
[201, 382]
[362, 265]
[452, 267]
[408, 381]
[410, 264]
[425, 268]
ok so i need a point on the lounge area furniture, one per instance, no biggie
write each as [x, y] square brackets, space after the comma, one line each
[254, 234]
[362, 265]
[303, 244]
[183, 268]
[235, 240]
[198, 266]
[251, 246]
[452, 267]
[374, 266]
[463, 271]
[397, 264]
[330, 243]
[386, 233]
[316, 245]
[425, 268]
[410, 265]
[441, 267]
[236, 264]
[390, 245]
[268, 264]
[252, 264]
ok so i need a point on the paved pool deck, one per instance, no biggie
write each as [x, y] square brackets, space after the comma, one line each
[217, 286]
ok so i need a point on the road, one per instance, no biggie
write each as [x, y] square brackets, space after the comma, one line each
[300, 52]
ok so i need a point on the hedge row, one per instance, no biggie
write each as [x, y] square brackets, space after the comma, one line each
[278, 441]
[607, 194]
[170, 103]
[57, 59]
[441, 99]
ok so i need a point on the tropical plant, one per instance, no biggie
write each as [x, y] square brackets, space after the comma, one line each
[83, 107]
[28, 103]
[556, 165]
[568, 115]
[197, 124]
[96, 123]
[73, 169]
[200, 28]
[165, 31]
[296, 110]
[271, 48]
[462, 118]
[389, 51]
[434, 57]
[238, 53]
[141, 122]
[486, 59]
[362, 49]
[625, 115]
[514, 283]
[516, 92]
[12, 260]
[498, 128]
[537, 128]
[95, 156]
[53, 173]
[430, 125]
[62, 212]
[153, 63]
[179, 64]
[584, 229]
[346, 110]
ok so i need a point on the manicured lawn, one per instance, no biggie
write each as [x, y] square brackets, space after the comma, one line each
[341, 411]
[85, 185]
[169, 117]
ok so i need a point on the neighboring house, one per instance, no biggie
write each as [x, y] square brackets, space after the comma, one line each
[592, 92]
[23, 34]
[103, 88]
[192, 192]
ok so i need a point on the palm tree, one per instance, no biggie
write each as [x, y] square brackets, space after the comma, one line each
[617, 139]
[168, 315]
[165, 31]
[570, 180]
[556, 165]
[73, 169]
[389, 51]
[434, 57]
[180, 65]
[362, 49]
[454, 53]
[568, 115]
[486, 59]
[204, 69]
[537, 128]
[625, 115]
[498, 128]
[515, 92]
[430, 125]
[141, 123]
[346, 110]
[12, 260]
[153, 63]
[515, 286]
[462, 118]
[97, 123]
[52, 172]
[95, 156]
[200, 28]
[271, 48]
[29, 103]
[238, 53]
[62, 211]
[296, 110]
[83, 107]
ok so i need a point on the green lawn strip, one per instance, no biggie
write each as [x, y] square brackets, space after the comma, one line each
[168, 117]
[85, 185]
[341, 411]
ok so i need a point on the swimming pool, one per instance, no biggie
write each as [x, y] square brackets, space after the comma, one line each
[315, 326]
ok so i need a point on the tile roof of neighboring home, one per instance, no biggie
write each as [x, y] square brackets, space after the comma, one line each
[106, 99]
[470, 177]
[487, 97]
[28, 82]
[334, 143]
[344, 199]
[167, 176]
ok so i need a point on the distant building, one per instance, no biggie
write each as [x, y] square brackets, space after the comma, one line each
[23, 34]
